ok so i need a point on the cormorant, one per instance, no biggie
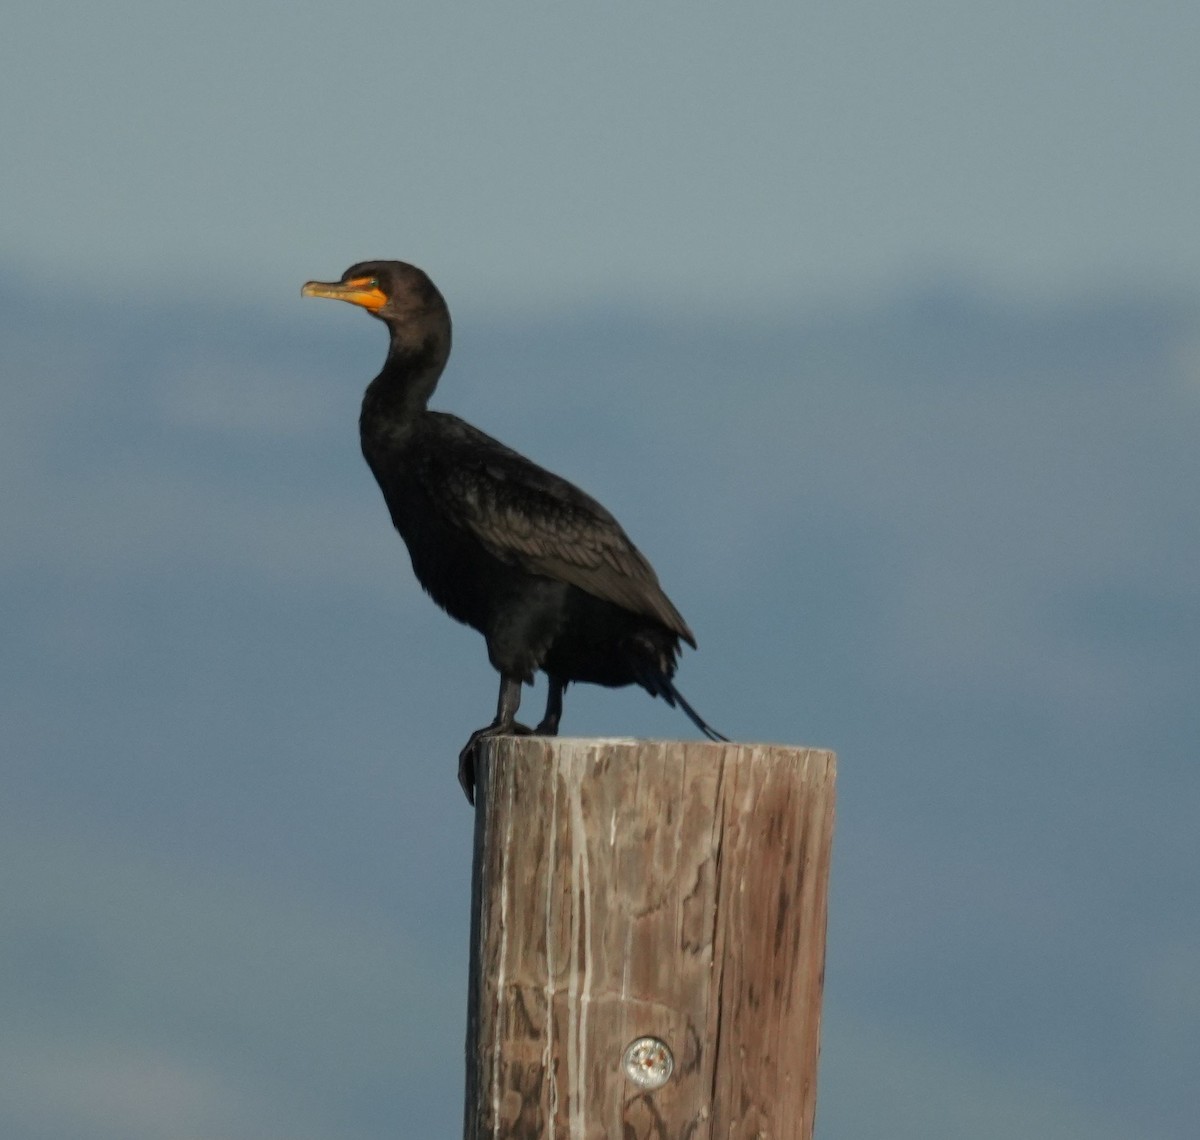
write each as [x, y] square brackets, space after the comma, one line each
[541, 569]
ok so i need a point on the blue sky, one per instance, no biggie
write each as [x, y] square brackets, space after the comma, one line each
[877, 327]
[542, 151]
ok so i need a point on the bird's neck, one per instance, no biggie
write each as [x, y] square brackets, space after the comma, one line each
[402, 389]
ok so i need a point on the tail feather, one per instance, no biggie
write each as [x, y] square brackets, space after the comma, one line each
[660, 685]
[674, 697]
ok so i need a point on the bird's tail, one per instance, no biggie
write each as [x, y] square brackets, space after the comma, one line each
[674, 697]
[661, 685]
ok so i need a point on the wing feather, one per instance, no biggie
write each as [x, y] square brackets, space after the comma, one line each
[529, 517]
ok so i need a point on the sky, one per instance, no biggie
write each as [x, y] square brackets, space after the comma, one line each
[878, 328]
[533, 152]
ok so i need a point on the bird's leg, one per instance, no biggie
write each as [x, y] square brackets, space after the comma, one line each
[505, 724]
[554, 698]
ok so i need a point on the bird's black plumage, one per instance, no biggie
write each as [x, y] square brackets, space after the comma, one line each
[541, 569]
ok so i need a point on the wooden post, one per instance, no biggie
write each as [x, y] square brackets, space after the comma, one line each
[647, 889]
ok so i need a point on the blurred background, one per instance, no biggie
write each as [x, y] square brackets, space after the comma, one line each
[877, 325]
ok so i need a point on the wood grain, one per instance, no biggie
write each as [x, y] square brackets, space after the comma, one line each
[647, 888]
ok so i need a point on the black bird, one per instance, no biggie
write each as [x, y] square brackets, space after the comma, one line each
[542, 570]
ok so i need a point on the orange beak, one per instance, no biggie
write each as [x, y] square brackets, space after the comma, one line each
[359, 291]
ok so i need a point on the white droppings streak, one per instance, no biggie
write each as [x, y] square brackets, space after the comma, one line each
[548, 1052]
[581, 937]
[502, 967]
[628, 957]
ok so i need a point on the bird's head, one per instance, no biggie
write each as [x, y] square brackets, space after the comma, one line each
[393, 291]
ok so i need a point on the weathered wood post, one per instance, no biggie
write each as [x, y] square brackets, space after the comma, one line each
[667, 893]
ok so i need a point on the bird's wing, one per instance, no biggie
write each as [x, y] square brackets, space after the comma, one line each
[528, 517]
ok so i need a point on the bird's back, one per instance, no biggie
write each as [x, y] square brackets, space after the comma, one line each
[480, 519]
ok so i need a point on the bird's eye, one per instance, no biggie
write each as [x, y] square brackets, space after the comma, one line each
[373, 283]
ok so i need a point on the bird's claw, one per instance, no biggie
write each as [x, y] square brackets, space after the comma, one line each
[466, 758]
